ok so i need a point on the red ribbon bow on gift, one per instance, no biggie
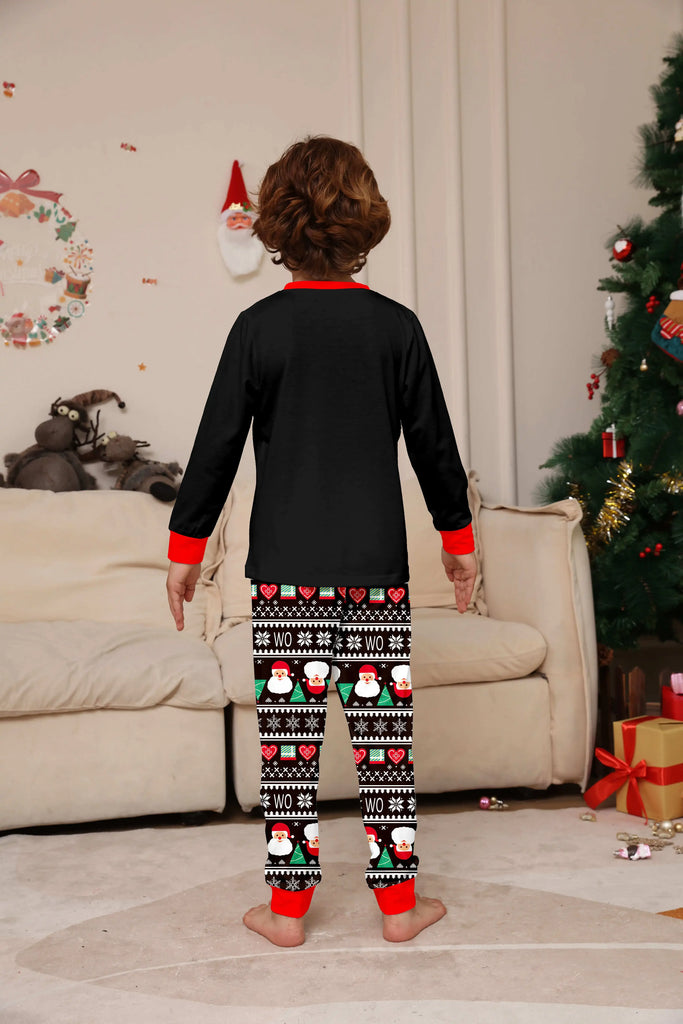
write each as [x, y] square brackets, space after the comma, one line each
[625, 771]
[26, 183]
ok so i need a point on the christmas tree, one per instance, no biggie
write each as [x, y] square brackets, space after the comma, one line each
[627, 470]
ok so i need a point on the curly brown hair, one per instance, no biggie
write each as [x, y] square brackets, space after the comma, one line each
[320, 208]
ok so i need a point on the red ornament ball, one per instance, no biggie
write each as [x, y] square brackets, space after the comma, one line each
[622, 250]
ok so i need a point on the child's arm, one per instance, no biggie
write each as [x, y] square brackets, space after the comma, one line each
[432, 447]
[434, 455]
[217, 449]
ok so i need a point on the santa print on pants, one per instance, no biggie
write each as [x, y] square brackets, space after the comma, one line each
[372, 840]
[280, 843]
[280, 682]
[367, 685]
[311, 650]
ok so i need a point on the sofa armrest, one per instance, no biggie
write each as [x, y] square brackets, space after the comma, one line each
[536, 570]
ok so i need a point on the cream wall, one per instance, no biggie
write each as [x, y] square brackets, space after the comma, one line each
[487, 125]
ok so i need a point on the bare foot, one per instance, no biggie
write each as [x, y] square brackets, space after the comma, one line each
[399, 927]
[281, 930]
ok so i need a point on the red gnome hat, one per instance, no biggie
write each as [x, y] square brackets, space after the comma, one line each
[237, 197]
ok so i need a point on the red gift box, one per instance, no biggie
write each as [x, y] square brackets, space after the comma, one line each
[672, 704]
[613, 447]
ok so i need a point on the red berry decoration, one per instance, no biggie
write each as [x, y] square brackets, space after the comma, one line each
[652, 304]
[593, 384]
[622, 250]
[648, 551]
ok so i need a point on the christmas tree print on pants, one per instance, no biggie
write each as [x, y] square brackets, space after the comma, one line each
[358, 638]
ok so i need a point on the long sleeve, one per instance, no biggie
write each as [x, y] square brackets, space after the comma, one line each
[431, 445]
[217, 448]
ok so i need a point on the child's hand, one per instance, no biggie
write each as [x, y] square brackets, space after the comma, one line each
[180, 586]
[461, 571]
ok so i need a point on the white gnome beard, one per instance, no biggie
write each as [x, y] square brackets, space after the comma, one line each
[241, 251]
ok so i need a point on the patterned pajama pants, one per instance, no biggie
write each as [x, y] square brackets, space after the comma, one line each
[360, 638]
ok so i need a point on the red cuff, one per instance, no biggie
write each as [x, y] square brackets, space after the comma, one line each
[458, 542]
[189, 550]
[291, 904]
[395, 899]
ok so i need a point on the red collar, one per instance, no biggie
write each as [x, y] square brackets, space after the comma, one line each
[326, 284]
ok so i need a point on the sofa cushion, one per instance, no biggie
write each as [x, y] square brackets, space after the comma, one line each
[76, 666]
[429, 586]
[99, 555]
[447, 648]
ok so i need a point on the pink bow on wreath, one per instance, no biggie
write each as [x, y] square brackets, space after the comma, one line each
[26, 183]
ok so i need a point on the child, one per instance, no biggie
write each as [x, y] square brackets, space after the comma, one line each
[329, 372]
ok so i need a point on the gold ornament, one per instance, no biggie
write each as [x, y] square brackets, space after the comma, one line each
[658, 843]
[643, 364]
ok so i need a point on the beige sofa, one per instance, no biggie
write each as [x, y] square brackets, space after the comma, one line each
[106, 711]
[505, 695]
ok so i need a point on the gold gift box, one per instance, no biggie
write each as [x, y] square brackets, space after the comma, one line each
[659, 742]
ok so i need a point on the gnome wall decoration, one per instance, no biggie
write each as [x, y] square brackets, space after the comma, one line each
[241, 250]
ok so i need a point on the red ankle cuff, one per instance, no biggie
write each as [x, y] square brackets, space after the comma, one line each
[396, 898]
[291, 904]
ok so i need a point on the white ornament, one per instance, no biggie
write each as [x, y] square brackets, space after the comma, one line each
[609, 311]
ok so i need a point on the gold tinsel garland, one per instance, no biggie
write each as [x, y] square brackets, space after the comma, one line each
[617, 505]
[615, 509]
[672, 483]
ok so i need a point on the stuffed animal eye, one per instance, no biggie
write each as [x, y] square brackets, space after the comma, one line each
[63, 410]
[74, 415]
